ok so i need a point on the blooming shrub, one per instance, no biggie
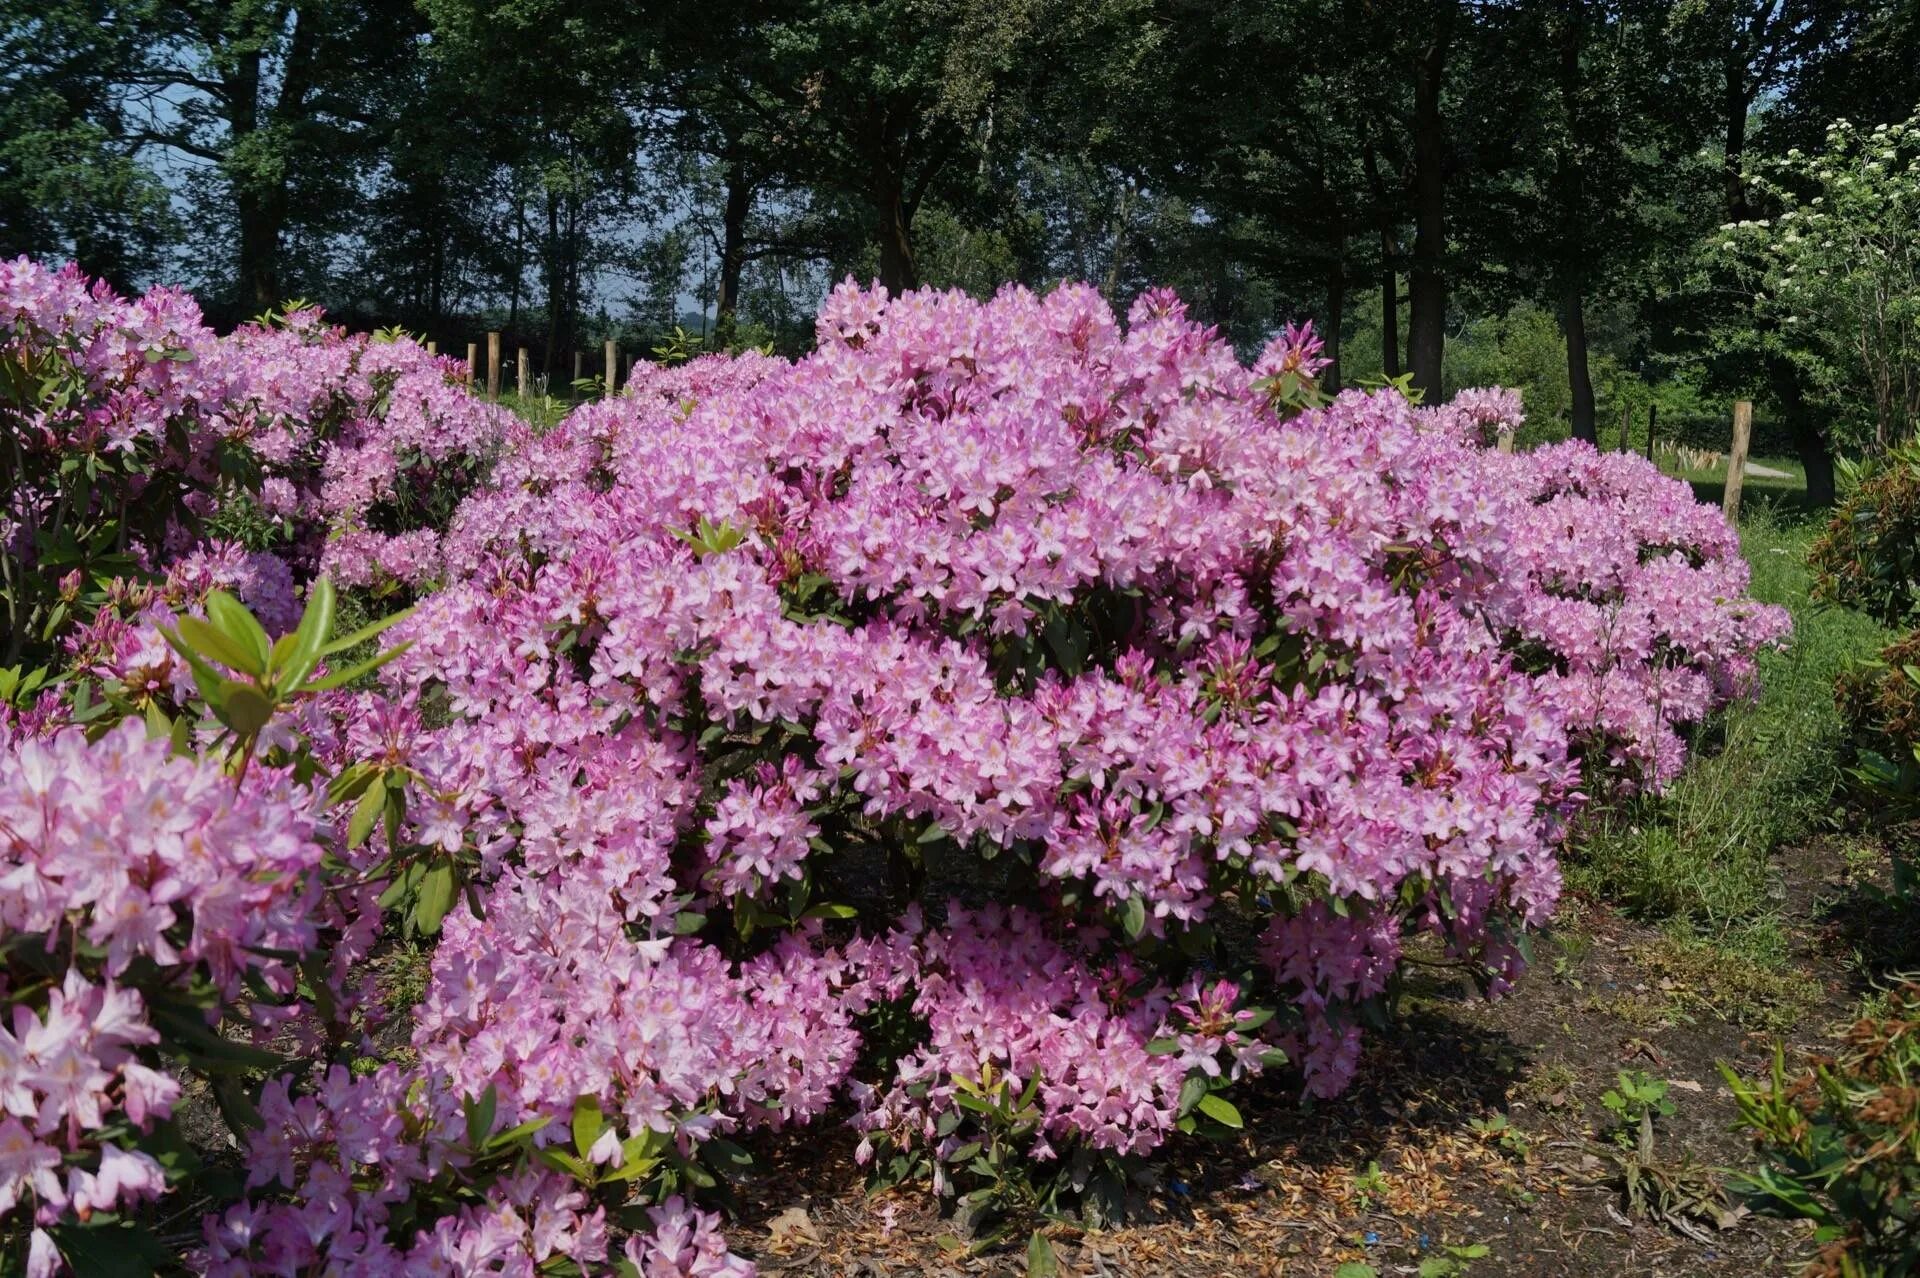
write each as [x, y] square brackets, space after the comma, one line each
[1020, 725]
[140, 437]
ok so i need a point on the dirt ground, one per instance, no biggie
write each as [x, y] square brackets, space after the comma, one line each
[1298, 1194]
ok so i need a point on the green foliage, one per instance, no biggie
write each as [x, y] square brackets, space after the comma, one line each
[1635, 1103]
[245, 677]
[1869, 556]
[1835, 278]
[1839, 1144]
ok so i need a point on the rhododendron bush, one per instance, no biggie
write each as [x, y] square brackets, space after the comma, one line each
[1004, 730]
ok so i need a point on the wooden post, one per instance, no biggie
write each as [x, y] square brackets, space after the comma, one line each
[1626, 441]
[473, 362]
[613, 368]
[520, 381]
[493, 365]
[1653, 412]
[433, 348]
[1737, 459]
[579, 365]
[1504, 440]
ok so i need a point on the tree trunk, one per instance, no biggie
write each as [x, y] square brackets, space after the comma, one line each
[553, 259]
[1426, 283]
[1808, 443]
[733, 253]
[1390, 322]
[1336, 318]
[1573, 319]
[1389, 269]
[897, 270]
[254, 206]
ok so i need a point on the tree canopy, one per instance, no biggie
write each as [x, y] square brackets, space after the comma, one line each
[1407, 173]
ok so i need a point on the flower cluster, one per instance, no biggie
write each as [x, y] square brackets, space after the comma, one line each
[126, 876]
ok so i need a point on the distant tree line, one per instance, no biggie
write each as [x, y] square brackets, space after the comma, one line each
[1405, 172]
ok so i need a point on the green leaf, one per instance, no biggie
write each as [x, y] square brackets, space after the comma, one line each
[1041, 1262]
[234, 621]
[1356, 1269]
[220, 646]
[1220, 1110]
[311, 636]
[830, 910]
[365, 633]
[366, 812]
[588, 1123]
[244, 710]
[435, 898]
[351, 673]
[1133, 917]
[1191, 1092]
[480, 1115]
[116, 1250]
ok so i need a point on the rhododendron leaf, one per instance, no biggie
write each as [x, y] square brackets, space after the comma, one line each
[1252, 1018]
[588, 1122]
[630, 1169]
[1220, 1110]
[310, 637]
[1163, 1046]
[111, 1248]
[965, 1152]
[724, 1154]
[435, 898]
[1133, 917]
[1192, 1088]
[560, 1160]
[365, 633]
[687, 922]
[520, 1132]
[402, 887]
[479, 1114]
[239, 625]
[830, 910]
[210, 642]
[347, 676]
[366, 812]
[243, 709]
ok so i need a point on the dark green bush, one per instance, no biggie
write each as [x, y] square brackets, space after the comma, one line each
[1869, 556]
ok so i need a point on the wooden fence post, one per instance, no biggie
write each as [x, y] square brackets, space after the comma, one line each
[1653, 411]
[1503, 440]
[473, 362]
[579, 365]
[1626, 440]
[493, 365]
[520, 375]
[1737, 459]
[613, 368]
[433, 348]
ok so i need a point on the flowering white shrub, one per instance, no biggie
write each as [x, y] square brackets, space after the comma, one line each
[1020, 726]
